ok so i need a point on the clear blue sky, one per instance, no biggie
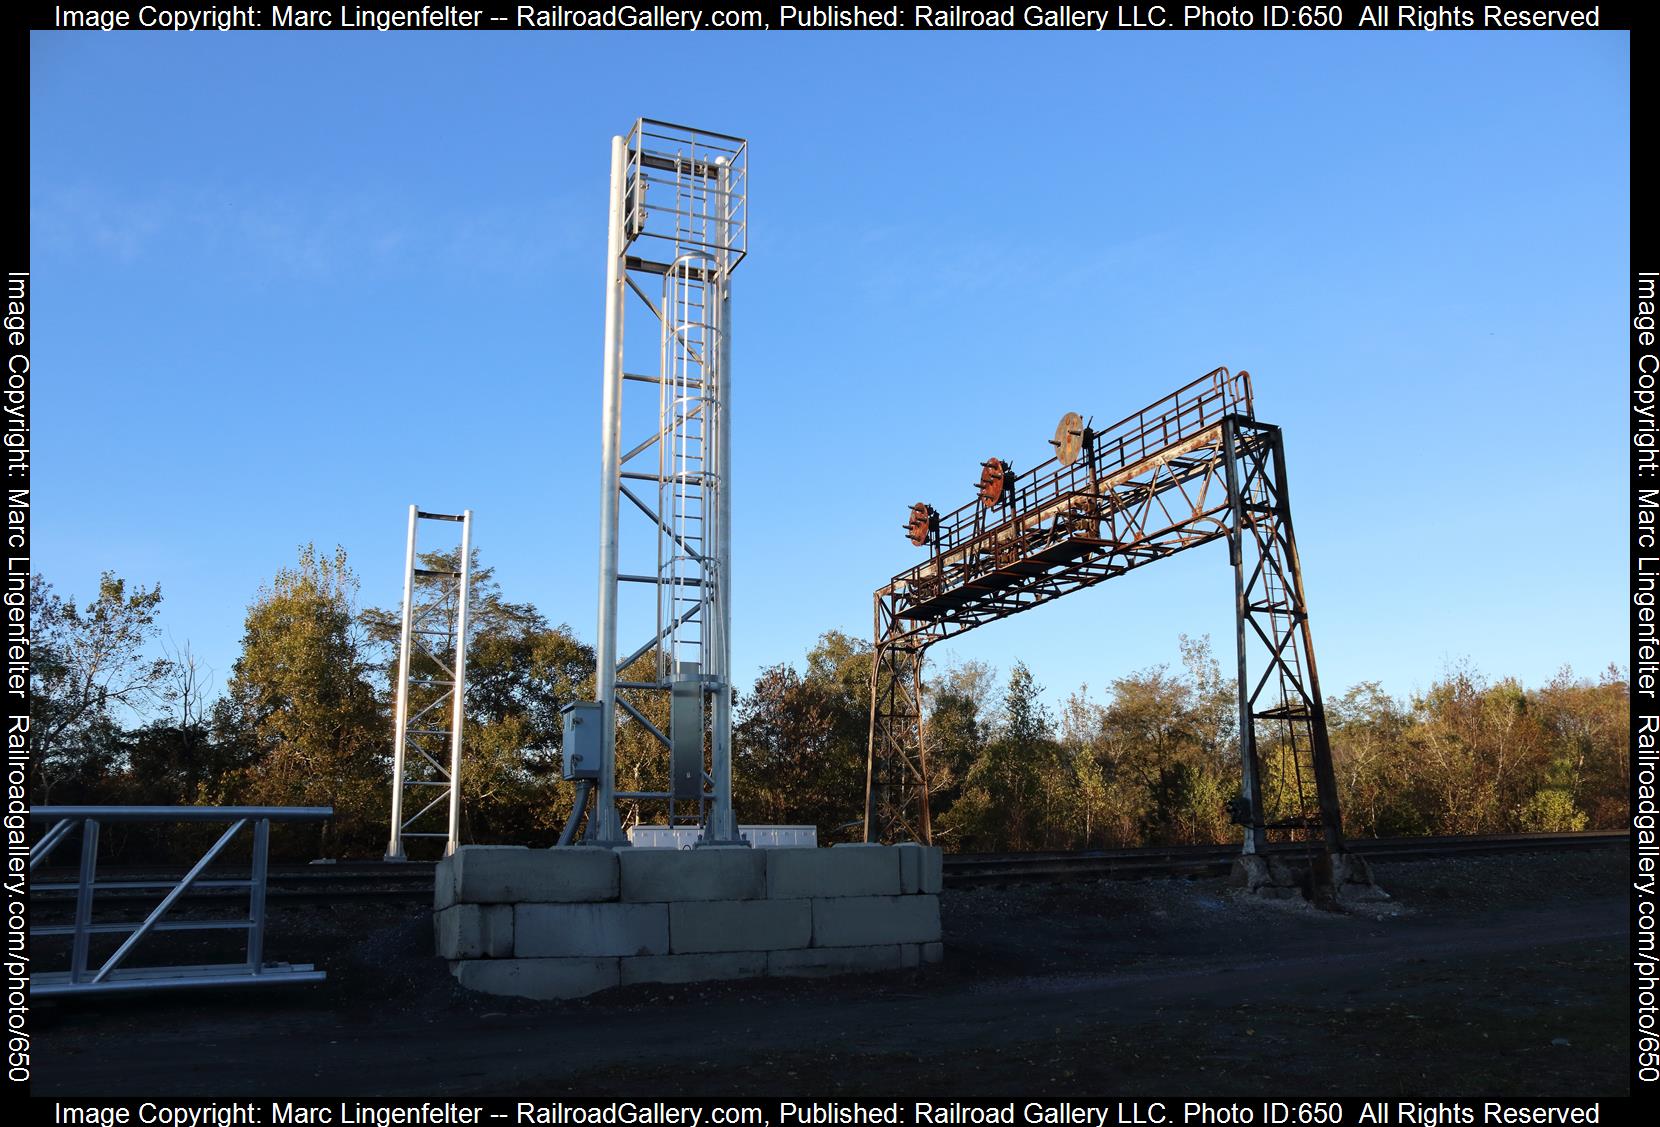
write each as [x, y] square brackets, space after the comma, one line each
[287, 284]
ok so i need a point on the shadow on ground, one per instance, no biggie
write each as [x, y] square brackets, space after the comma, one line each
[1493, 975]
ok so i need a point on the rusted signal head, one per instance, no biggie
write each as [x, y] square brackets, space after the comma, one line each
[923, 524]
[996, 482]
[1069, 438]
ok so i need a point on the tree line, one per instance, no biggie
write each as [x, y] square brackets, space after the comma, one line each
[304, 719]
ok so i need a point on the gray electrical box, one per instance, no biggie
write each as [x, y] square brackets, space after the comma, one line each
[583, 720]
[686, 734]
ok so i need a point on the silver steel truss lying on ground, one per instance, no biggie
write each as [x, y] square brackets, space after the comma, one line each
[116, 973]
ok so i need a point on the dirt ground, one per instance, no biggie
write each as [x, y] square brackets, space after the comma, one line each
[1483, 976]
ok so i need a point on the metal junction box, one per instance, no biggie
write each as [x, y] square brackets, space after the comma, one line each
[583, 728]
[686, 735]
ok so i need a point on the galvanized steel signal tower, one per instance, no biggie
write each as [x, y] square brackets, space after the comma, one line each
[678, 228]
[1191, 468]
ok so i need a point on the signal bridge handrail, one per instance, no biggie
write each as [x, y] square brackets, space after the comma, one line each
[1161, 425]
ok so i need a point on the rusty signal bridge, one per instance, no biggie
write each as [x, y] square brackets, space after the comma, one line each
[1193, 467]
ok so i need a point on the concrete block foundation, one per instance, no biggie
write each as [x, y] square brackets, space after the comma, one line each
[1349, 878]
[474, 931]
[842, 870]
[740, 925]
[920, 869]
[720, 873]
[537, 978]
[607, 929]
[859, 921]
[513, 874]
[564, 923]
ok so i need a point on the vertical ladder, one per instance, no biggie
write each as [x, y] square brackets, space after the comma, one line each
[682, 544]
[1298, 801]
[688, 571]
[688, 403]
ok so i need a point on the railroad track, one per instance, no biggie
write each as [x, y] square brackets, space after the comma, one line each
[287, 884]
[964, 869]
[411, 881]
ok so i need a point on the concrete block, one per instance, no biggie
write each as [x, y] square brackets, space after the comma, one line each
[697, 926]
[1352, 879]
[857, 870]
[857, 921]
[446, 874]
[485, 874]
[916, 954]
[693, 968]
[549, 930]
[715, 873]
[474, 931]
[835, 960]
[537, 978]
[1265, 876]
[443, 884]
[921, 868]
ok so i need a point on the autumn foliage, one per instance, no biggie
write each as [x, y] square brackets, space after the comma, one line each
[1150, 757]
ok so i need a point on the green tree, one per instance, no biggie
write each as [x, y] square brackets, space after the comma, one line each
[1081, 721]
[794, 761]
[956, 706]
[1376, 787]
[176, 759]
[1551, 808]
[800, 739]
[300, 706]
[1186, 803]
[1476, 749]
[1213, 702]
[1173, 738]
[88, 666]
[1012, 789]
[521, 671]
[1589, 727]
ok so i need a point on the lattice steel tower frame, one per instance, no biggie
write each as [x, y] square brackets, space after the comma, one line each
[678, 227]
[1191, 468]
[429, 702]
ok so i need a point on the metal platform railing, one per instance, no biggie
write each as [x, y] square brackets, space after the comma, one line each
[1043, 490]
[113, 974]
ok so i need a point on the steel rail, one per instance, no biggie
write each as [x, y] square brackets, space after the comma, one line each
[1202, 860]
[412, 880]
